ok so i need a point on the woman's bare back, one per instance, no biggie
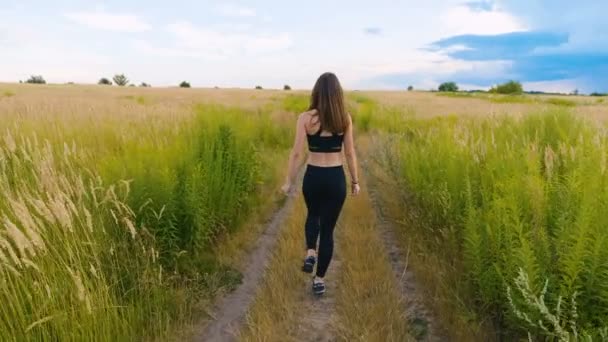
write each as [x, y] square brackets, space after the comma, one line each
[312, 125]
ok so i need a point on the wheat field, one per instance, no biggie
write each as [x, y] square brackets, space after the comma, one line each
[504, 212]
[125, 211]
[112, 202]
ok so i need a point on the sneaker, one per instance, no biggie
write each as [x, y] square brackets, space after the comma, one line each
[309, 264]
[318, 288]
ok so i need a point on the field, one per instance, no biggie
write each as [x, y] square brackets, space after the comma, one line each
[128, 213]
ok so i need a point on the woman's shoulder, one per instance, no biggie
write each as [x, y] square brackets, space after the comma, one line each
[307, 115]
[310, 113]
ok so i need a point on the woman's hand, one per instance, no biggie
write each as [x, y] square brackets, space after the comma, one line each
[355, 189]
[286, 188]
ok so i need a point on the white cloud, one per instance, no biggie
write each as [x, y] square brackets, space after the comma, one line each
[231, 10]
[425, 70]
[455, 48]
[146, 48]
[61, 63]
[560, 86]
[464, 20]
[109, 21]
[192, 41]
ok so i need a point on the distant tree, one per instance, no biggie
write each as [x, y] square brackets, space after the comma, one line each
[448, 86]
[144, 85]
[598, 94]
[216, 87]
[509, 88]
[104, 81]
[36, 80]
[131, 85]
[70, 83]
[184, 84]
[20, 81]
[575, 92]
[286, 87]
[121, 80]
[410, 88]
[258, 87]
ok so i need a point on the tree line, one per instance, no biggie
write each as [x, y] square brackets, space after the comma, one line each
[507, 88]
[121, 80]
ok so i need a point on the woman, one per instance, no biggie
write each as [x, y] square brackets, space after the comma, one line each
[327, 127]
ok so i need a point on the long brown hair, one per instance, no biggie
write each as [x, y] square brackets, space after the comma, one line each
[328, 99]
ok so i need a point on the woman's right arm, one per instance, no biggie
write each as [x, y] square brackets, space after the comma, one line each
[351, 157]
[296, 154]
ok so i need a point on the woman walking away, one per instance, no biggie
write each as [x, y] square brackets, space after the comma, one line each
[327, 127]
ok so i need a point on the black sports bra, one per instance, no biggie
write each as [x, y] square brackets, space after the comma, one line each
[324, 144]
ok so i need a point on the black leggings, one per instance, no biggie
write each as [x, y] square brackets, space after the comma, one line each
[324, 191]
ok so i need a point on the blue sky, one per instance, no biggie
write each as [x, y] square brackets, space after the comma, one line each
[385, 44]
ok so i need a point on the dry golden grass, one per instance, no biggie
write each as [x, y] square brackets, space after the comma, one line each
[369, 305]
[33, 101]
[109, 115]
[232, 249]
[427, 104]
[78, 94]
[140, 128]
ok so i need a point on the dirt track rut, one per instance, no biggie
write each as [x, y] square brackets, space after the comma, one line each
[229, 312]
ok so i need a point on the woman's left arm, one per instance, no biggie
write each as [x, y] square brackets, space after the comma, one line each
[296, 153]
[351, 157]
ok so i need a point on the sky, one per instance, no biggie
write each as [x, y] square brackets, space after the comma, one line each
[553, 45]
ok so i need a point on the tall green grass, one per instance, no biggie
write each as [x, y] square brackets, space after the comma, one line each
[202, 181]
[524, 99]
[457, 94]
[362, 110]
[561, 102]
[510, 99]
[74, 264]
[295, 103]
[108, 223]
[522, 203]
[369, 115]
